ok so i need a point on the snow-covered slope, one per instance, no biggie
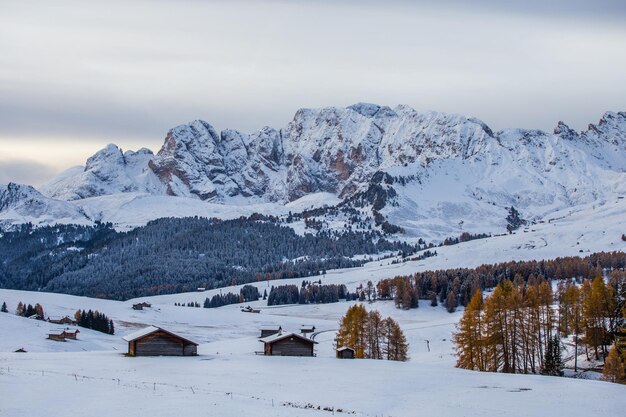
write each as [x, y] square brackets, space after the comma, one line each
[23, 204]
[227, 377]
[450, 171]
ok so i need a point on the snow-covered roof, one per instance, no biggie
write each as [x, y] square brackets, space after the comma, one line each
[271, 328]
[149, 330]
[140, 333]
[279, 336]
[341, 349]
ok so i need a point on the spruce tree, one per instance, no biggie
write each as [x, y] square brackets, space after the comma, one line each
[4, 308]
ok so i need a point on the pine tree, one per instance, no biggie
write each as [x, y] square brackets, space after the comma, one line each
[553, 361]
[4, 308]
[20, 309]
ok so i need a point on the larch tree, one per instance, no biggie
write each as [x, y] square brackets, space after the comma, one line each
[614, 367]
[469, 336]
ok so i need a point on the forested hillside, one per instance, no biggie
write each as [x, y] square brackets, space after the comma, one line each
[174, 255]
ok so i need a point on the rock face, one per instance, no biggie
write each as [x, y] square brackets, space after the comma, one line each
[338, 150]
[109, 171]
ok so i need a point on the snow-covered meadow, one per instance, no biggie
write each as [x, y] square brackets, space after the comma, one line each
[91, 376]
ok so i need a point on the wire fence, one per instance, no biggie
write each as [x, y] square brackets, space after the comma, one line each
[168, 386]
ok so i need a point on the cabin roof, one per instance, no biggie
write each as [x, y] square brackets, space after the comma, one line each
[279, 336]
[152, 329]
[341, 349]
[271, 328]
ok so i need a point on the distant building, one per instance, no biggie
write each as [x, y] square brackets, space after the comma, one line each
[345, 353]
[307, 329]
[140, 306]
[62, 335]
[58, 336]
[70, 334]
[201, 289]
[288, 344]
[268, 331]
[155, 341]
[64, 320]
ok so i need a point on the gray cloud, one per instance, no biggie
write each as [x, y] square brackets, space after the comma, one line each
[25, 172]
[125, 72]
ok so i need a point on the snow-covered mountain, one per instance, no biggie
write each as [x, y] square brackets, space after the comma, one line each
[449, 170]
[23, 204]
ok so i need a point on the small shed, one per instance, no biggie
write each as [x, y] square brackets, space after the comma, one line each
[306, 329]
[345, 352]
[268, 331]
[58, 336]
[288, 344]
[70, 334]
[155, 341]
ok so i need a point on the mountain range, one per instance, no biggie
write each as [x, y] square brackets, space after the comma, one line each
[448, 173]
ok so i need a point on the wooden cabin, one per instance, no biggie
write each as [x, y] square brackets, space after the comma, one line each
[345, 352]
[57, 336]
[64, 320]
[288, 344]
[268, 331]
[141, 306]
[307, 329]
[155, 341]
[70, 334]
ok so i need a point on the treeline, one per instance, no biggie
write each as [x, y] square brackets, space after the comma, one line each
[371, 336]
[246, 294]
[175, 255]
[516, 330]
[454, 287]
[464, 237]
[94, 320]
[24, 310]
[308, 293]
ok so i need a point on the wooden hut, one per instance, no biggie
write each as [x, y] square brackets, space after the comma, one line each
[141, 306]
[70, 334]
[345, 352]
[64, 320]
[288, 344]
[305, 329]
[268, 331]
[155, 341]
[58, 336]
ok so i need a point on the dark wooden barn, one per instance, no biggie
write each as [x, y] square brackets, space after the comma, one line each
[141, 306]
[58, 336]
[288, 344]
[268, 331]
[345, 353]
[154, 341]
[64, 320]
[307, 329]
[70, 334]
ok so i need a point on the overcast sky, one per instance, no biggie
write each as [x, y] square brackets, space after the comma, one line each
[76, 75]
